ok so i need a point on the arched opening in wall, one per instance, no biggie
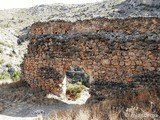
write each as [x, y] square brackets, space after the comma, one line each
[77, 84]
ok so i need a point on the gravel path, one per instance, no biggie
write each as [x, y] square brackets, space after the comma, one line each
[25, 111]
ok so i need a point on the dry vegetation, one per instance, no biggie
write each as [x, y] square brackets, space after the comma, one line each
[106, 110]
[20, 92]
[143, 99]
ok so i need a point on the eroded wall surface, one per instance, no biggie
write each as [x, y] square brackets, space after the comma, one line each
[128, 25]
[130, 49]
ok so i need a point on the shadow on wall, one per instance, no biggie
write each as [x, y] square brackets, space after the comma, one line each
[47, 73]
[77, 74]
[49, 77]
[131, 92]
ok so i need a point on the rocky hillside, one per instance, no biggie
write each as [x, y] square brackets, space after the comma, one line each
[15, 24]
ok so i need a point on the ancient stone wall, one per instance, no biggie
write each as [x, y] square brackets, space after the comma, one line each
[103, 24]
[118, 55]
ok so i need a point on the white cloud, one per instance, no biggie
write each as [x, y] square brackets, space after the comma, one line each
[8, 4]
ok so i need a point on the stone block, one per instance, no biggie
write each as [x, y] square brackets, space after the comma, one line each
[131, 54]
[150, 68]
[106, 62]
[127, 63]
[138, 62]
[114, 62]
[147, 64]
[139, 68]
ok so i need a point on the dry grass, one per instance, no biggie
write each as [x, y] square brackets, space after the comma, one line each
[101, 111]
[78, 113]
[21, 92]
[143, 100]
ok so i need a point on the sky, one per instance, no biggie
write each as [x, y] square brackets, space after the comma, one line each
[8, 4]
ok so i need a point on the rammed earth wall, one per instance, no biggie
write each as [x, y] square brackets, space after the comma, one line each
[106, 49]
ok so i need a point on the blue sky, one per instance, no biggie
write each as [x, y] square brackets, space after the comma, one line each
[8, 4]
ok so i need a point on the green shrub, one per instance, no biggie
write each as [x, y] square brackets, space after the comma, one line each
[11, 54]
[1, 62]
[85, 82]
[8, 65]
[18, 65]
[1, 51]
[16, 76]
[2, 43]
[74, 91]
[5, 76]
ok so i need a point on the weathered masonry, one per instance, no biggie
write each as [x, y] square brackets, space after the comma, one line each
[106, 49]
[128, 25]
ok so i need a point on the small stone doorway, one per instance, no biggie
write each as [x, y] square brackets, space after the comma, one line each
[77, 83]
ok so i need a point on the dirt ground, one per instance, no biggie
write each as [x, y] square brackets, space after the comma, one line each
[17, 100]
